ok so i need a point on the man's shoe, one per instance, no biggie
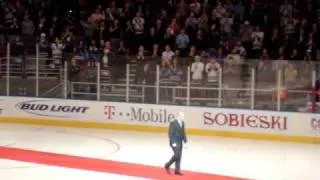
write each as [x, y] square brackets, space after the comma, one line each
[167, 168]
[178, 173]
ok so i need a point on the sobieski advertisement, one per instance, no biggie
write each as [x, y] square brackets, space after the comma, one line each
[246, 120]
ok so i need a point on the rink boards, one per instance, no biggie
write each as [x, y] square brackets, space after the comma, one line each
[266, 125]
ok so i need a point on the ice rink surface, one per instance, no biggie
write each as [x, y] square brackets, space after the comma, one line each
[261, 160]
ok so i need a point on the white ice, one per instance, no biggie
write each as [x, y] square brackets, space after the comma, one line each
[261, 160]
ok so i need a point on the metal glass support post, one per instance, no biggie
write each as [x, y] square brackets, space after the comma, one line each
[220, 88]
[37, 70]
[65, 80]
[253, 84]
[8, 70]
[314, 92]
[98, 82]
[127, 82]
[279, 88]
[188, 86]
[157, 84]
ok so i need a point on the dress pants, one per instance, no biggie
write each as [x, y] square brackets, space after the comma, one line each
[176, 158]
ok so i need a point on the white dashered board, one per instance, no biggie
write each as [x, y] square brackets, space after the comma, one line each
[236, 120]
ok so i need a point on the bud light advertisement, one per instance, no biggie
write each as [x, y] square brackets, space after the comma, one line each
[52, 108]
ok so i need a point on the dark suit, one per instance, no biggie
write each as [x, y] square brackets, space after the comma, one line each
[177, 136]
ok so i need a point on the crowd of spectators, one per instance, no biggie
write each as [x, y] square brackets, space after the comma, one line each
[223, 30]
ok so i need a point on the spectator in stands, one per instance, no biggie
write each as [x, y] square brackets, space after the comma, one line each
[182, 42]
[273, 44]
[105, 59]
[81, 51]
[245, 33]
[138, 23]
[156, 54]
[93, 53]
[176, 72]
[203, 21]
[219, 10]
[68, 41]
[128, 35]
[204, 57]
[200, 41]
[212, 70]
[167, 55]
[145, 75]
[107, 53]
[14, 28]
[153, 38]
[289, 25]
[239, 11]
[240, 49]
[233, 58]
[191, 23]
[257, 38]
[294, 55]
[169, 38]
[108, 47]
[101, 32]
[27, 27]
[308, 55]
[114, 32]
[164, 71]
[57, 49]
[220, 55]
[174, 25]
[18, 50]
[176, 55]
[159, 28]
[97, 17]
[226, 23]
[264, 61]
[8, 17]
[42, 25]
[318, 55]
[285, 9]
[141, 54]
[197, 69]
[43, 44]
[195, 7]
[214, 39]
[290, 74]
[122, 50]
[192, 52]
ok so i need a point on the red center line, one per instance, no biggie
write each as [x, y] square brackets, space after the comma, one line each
[99, 165]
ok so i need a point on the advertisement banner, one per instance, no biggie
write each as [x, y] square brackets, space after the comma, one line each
[218, 119]
[52, 108]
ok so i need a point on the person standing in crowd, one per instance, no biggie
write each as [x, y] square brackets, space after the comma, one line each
[182, 42]
[197, 68]
[177, 136]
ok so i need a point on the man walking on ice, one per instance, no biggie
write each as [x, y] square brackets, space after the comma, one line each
[177, 136]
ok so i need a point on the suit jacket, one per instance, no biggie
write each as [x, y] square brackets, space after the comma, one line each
[177, 132]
